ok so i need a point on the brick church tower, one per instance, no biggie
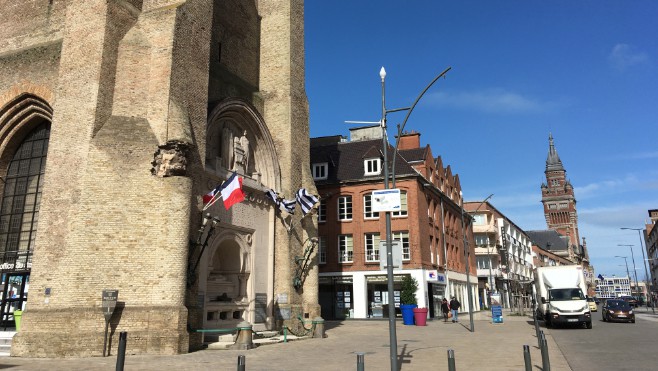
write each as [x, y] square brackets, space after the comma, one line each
[559, 201]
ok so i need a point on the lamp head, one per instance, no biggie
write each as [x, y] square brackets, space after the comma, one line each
[205, 219]
[382, 73]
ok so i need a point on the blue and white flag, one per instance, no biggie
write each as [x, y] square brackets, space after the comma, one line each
[306, 200]
[287, 206]
[281, 203]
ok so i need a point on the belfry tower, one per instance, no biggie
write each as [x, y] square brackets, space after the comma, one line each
[559, 201]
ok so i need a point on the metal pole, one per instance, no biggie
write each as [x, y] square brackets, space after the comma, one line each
[241, 363]
[468, 271]
[121, 356]
[360, 362]
[526, 358]
[646, 273]
[545, 361]
[451, 360]
[634, 268]
[389, 253]
[107, 326]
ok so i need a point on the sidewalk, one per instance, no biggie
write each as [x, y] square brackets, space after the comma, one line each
[490, 347]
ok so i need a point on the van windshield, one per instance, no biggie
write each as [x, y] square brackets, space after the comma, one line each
[566, 294]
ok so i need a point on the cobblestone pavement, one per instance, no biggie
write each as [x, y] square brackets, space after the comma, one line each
[489, 347]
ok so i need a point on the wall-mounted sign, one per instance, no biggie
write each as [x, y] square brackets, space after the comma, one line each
[109, 303]
[386, 200]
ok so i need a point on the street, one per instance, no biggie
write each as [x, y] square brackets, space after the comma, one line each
[610, 346]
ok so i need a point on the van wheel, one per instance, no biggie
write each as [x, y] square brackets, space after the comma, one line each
[588, 325]
[548, 323]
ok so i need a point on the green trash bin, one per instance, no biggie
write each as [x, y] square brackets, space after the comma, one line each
[17, 319]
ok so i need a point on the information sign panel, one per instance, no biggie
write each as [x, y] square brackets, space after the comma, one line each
[386, 200]
[109, 302]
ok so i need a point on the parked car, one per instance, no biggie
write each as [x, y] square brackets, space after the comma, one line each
[630, 300]
[617, 310]
[592, 304]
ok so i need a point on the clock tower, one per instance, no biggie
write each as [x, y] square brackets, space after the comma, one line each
[559, 202]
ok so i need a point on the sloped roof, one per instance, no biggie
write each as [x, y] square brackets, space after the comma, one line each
[548, 240]
[345, 159]
[414, 155]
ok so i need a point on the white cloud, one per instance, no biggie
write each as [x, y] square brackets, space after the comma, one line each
[640, 156]
[605, 187]
[624, 56]
[491, 101]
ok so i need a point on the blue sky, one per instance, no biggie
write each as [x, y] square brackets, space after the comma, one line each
[585, 71]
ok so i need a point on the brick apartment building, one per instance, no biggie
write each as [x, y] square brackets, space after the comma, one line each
[503, 256]
[429, 225]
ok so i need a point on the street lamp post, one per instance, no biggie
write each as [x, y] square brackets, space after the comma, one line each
[646, 273]
[634, 269]
[389, 252]
[627, 273]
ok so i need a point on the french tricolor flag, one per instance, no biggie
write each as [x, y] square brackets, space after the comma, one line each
[230, 191]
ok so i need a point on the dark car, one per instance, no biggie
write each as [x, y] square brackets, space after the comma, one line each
[617, 310]
[630, 300]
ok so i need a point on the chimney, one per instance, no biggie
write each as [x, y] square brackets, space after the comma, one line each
[410, 140]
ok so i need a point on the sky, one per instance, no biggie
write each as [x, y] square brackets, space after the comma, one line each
[584, 71]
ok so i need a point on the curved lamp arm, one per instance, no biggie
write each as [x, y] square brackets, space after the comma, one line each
[401, 127]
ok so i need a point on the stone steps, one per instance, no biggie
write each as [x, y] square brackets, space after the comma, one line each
[260, 338]
[5, 342]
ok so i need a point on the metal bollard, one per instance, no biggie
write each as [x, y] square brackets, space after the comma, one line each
[540, 335]
[451, 360]
[241, 362]
[285, 334]
[526, 358]
[121, 356]
[545, 361]
[360, 362]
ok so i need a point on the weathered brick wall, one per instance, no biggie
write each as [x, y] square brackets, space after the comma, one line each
[123, 78]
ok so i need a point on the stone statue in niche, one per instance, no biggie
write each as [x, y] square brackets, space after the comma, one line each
[241, 153]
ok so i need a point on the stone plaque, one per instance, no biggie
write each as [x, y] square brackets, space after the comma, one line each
[260, 314]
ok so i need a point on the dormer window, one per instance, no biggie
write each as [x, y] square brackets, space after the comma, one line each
[320, 171]
[372, 166]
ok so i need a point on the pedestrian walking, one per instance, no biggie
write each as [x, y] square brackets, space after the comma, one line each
[454, 308]
[445, 308]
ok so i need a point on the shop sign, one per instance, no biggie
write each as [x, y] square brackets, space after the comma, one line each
[435, 276]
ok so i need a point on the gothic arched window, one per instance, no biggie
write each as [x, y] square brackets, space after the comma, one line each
[19, 212]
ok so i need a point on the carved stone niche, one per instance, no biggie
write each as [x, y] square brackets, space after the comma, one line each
[170, 159]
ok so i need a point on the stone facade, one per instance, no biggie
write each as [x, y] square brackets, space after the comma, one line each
[138, 94]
